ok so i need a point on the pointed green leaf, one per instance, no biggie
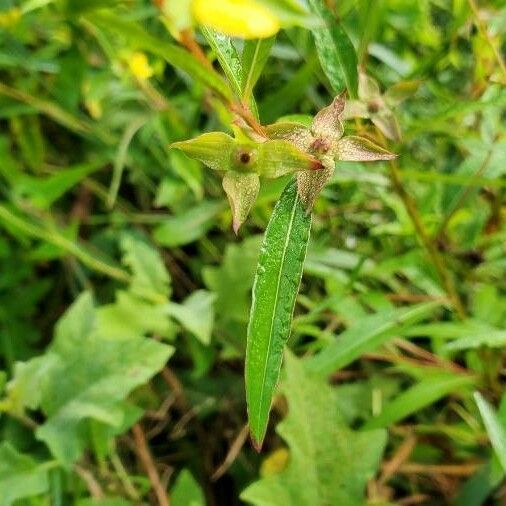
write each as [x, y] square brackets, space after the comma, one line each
[213, 149]
[227, 55]
[329, 464]
[276, 285]
[358, 149]
[335, 50]
[242, 191]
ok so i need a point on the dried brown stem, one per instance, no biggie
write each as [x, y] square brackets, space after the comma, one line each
[145, 458]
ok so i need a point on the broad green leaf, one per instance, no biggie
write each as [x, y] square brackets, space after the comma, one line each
[89, 378]
[186, 491]
[367, 335]
[196, 314]
[480, 485]
[329, 464]
[495, 428]
[421, 395]
[138, 38]
[335, 50]
[20, 476]
[188, 226]
[149, 273]
[254, 58]
[276, 285]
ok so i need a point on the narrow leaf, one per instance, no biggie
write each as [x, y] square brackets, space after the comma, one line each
[254, 58]
[276, 285]
[227, 55]
[367, 335]
[423, 394]
[495, 429]
[335, 50]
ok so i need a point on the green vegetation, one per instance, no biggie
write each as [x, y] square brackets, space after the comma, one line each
[271, 220]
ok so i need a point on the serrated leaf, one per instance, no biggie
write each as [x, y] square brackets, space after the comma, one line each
[329, 464]
[20, 476]
[276, 285]
[335, 50]
[90, 376]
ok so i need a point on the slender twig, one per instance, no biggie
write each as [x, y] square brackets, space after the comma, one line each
[148, 464]
[92, 484]
[234, 450]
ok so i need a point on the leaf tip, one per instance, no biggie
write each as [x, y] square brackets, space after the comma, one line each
[257, 445]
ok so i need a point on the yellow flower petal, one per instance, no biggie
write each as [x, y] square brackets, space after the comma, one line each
[139, 66]
[239, 18]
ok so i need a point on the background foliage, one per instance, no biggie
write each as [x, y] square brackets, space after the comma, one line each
[124, 293]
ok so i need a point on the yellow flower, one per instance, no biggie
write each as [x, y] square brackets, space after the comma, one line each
[139, 66]
[247, 19]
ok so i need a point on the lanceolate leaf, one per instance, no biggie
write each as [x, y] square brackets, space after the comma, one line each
[276, 285]
[227, 56]
[335, 50]
[254, 58]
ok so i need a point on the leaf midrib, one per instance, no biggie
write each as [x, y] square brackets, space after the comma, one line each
[275, 306]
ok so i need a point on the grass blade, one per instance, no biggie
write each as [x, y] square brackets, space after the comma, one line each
[335, 50]
[366, 336]
[423, 394]
[276, 285]
[495, 429]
